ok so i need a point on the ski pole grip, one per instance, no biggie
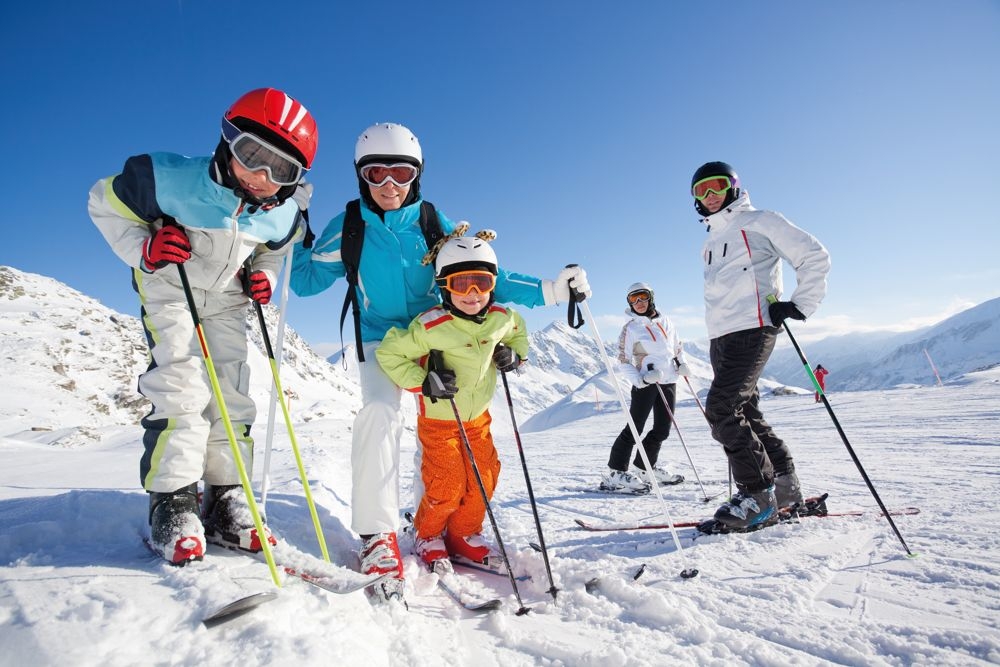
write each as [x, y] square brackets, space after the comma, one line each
[574, 317]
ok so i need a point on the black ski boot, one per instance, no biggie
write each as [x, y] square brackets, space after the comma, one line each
[176, 532]
[229, 521]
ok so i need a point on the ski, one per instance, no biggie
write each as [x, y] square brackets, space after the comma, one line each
[238, 608]
[455, 587]
[607, 492]
[229, 611]
[812, 507]
[330, 577]
[493, 565]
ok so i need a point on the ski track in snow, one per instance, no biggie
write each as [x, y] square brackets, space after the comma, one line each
[78, 587]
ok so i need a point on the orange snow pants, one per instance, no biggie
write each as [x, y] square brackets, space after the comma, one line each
[452, 500]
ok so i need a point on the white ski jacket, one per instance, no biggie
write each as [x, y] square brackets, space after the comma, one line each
[743, 254]
[645, 341]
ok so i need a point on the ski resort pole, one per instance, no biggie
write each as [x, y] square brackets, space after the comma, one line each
[258, 522]
[843, 436]
[687, 572]
[288, 421]
[265, 481]
[531, 494]
[670, 413]
[436, 361]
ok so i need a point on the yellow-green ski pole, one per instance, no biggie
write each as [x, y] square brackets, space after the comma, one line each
[217, 390]
[288, 422]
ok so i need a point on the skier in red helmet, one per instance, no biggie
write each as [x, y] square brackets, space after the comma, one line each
[211, 214]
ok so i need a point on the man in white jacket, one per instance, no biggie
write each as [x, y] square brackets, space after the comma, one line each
[743, 255]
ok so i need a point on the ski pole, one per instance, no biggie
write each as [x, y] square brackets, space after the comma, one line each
[265, 479]
[843, 436]
[670, 413]
[705, 415]
[258, 522]
[696, 399]
[288, 419]
[687, 572]
[531, 494]
[436, 361]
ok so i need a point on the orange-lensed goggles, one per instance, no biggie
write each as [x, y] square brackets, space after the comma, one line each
[463, 282]
[712, 185]
[636, 297]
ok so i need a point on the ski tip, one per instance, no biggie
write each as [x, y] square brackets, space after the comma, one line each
[238, 608]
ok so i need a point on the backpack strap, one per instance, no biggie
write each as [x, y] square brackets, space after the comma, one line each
[353, 239]
[351, 242]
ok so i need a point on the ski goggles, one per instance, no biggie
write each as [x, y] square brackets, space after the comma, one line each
[712, 185]
[636, 297]
[463, 282]
[254, 154]
[400, 173]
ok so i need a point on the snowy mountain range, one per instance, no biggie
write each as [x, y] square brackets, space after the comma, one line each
[54, 334]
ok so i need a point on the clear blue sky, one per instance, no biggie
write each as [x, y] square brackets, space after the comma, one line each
[571, 128]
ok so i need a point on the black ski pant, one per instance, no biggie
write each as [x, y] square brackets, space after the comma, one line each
[644, 400]
[733, 408]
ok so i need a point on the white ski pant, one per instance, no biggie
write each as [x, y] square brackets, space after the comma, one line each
[185, 438]
[378, 428]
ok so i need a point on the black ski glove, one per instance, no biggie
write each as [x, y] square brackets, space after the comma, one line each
[782, 310]
[505, 358]
[439, 384]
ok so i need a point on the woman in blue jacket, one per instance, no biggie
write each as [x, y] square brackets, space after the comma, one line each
[394, 285]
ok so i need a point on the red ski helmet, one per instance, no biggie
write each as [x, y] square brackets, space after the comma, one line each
[277, 118]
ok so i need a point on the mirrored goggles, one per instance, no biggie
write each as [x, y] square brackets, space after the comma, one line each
[400, 173]
[463, 282]
[712, 185]
[636, 297]
[254, 154]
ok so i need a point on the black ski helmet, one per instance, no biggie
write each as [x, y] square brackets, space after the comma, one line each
[716, 169]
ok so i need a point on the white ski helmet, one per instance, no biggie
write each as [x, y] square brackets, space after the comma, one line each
[388, 141]
[465, 253]
[639, 287]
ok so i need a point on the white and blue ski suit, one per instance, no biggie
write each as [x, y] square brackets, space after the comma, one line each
[185, 439]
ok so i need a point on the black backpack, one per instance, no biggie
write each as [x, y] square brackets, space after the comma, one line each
[353, 239]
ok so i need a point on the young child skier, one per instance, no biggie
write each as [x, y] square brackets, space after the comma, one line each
[210, 214]
[476, 337]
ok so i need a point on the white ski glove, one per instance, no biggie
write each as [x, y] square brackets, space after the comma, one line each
[557, 291]
[652, 376]
[303, 193]
[682, 368]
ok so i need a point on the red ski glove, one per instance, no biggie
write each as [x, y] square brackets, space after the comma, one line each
[169, 245]
[258, 287]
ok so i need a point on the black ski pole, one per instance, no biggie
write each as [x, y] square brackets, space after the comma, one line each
[843, 436]
[531, 494]
[436, 361]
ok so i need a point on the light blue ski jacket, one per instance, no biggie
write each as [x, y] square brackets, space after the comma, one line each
[393, 286]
